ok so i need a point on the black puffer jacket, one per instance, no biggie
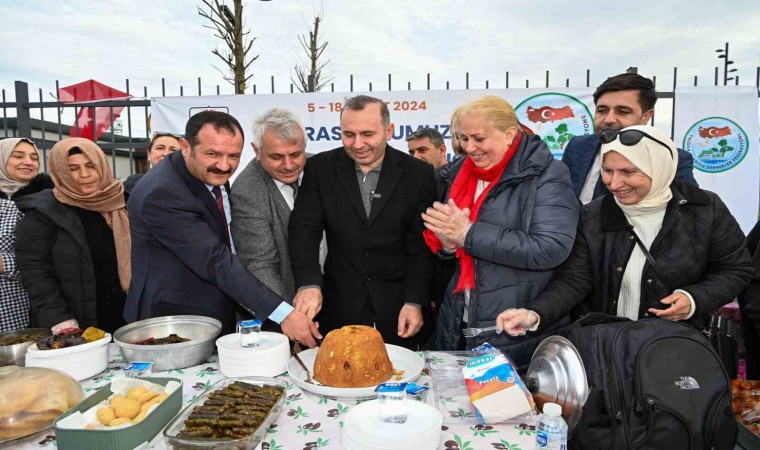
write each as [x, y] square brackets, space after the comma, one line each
[700, 249]
[525, 228]
[55, 263]
[39, 183]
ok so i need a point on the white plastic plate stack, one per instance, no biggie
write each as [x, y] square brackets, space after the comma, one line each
[268, 359]
[80, 361]
[363, 429]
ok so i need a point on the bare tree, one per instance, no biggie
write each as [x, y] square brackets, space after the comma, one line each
[228, 27]
[309, 76]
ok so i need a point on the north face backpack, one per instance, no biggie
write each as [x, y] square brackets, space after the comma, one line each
[654, 384]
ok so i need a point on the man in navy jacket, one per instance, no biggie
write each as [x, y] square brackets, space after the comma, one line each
[183, 260]
[622, 101]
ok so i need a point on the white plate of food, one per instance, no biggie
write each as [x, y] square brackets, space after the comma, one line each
[407, 366]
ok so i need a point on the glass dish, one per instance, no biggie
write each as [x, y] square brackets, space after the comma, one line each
[31, 398]
[171, 433]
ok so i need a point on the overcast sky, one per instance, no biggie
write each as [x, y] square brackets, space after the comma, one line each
[145, 41]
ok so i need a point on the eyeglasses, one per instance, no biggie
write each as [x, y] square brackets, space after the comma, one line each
[629, 138]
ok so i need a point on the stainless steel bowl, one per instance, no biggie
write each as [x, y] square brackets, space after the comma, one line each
[15, 354]
[202, 332]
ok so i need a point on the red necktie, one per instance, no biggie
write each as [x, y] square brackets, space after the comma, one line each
[220, 205]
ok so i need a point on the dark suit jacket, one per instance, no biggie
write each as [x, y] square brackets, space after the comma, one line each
[581, 151]
[380, 259]
[181, 259]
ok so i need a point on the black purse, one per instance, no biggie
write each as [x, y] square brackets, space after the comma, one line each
[721, 332]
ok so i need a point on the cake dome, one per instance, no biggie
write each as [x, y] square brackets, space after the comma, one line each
[351, 357]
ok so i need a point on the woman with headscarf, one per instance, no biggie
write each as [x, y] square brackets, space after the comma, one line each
[19, 176]
[509, 219]
[19, 169]
[653, 246]
[73, 245]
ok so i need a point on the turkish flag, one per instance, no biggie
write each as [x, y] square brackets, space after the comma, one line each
[92, 122]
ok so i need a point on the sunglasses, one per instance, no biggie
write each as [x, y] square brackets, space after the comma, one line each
[629, 138]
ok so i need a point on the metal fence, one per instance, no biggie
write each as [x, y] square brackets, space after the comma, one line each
[127, 150]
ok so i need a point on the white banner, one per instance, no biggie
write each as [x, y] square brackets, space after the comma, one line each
[718, 125]
[556, 114]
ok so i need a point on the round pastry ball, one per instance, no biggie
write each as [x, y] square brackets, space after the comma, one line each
[119, 421]
[128, 408]
[147, 405]
[105, 415]
[149, 395]
[114, 401]
[136, 393]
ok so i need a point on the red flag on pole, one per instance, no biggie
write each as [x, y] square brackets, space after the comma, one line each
[92, 122]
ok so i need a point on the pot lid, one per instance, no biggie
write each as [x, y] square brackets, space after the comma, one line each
[556, 374]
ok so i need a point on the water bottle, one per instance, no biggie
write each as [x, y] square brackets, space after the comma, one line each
[551, 429]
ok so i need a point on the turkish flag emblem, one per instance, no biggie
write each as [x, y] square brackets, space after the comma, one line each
[92, 121]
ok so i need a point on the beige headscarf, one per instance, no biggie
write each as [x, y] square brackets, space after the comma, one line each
[107, 200]
[7, 185]
[655, 161]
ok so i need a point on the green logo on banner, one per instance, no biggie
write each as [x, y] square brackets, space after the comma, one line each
[557, 118]
[717, 144]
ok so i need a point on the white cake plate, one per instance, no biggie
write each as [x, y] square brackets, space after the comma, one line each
[402, 360]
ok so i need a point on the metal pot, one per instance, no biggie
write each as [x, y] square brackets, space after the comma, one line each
[202, 332]
[13, 355]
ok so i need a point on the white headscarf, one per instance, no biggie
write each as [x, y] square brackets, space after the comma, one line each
[8, 185]
[655, 161]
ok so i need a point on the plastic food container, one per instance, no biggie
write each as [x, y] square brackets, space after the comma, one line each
[31, 398]
[171, 432]
[80, 361]
[449, 392]
[119, 438]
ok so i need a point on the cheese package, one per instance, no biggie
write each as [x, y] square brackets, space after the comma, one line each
[496, 390]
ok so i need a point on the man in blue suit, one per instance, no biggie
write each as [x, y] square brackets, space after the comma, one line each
[622, 101]
[183, 260]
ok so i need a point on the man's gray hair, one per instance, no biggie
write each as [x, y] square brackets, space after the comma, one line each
[360, 102]
[281, 123]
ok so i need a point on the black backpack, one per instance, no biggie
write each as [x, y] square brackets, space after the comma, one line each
[654, 384]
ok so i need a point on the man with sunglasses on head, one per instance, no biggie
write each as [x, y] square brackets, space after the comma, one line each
[622, 101]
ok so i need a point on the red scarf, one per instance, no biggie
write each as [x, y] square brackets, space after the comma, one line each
[463, 193]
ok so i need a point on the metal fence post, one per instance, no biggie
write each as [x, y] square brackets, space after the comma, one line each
[22, 110]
